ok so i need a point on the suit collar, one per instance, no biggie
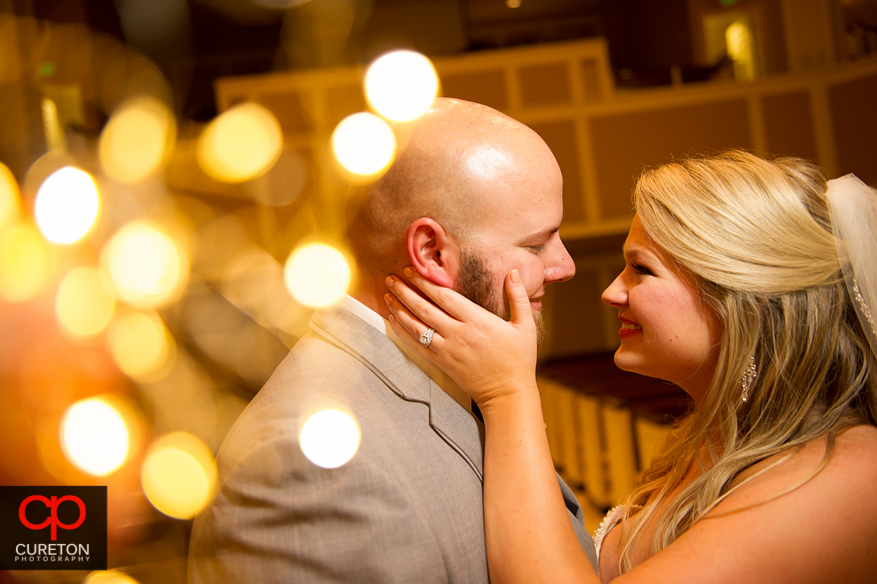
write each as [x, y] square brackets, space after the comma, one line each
[455, 425]
[382, 325]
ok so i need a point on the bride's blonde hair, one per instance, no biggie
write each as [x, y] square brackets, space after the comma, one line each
[757, 237]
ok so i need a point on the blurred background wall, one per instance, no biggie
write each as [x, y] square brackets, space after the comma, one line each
[166, 312]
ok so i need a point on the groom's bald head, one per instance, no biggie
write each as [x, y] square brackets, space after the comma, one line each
[449, 163]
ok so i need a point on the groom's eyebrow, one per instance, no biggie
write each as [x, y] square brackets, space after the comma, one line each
[540, 235]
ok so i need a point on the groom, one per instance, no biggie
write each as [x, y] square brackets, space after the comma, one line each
[471, 195]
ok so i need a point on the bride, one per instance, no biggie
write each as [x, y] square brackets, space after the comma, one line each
[748, 283]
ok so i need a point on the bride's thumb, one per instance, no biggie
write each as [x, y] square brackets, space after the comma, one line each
[519, 302]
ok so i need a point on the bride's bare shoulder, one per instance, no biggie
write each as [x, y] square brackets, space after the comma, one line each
[817, 521]
[855, 453]
[862, 436]
[789, 518]
[838, 490]
[853, 459]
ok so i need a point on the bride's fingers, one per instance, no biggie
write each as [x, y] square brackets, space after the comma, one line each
[419, 307]
[519, 302]
[451, 302]
[413, 332]
[412, 325]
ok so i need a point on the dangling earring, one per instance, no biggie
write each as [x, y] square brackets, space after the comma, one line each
[748, 377]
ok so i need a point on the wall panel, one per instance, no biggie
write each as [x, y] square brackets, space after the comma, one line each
[788, 121]
[625, 143]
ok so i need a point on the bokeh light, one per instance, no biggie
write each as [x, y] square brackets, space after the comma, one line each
[316, 274]
[401, 85]
[240, 144]
[179, 475]
[94, 436]
[137, 140]
[24, 263]
[67, 205]
[330, 438]
[141, 345]
[84, 302]
[254, 282]
[364, 144]
[10, 198]
[148, 269]
[109, 577]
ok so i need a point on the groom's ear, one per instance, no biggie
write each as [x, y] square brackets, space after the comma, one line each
[433, 252]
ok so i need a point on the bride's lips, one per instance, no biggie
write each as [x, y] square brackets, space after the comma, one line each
[629, 328]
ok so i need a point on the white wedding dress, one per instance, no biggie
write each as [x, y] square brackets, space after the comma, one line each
[612, 518]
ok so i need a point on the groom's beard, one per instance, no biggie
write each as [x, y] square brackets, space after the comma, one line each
[477, 283]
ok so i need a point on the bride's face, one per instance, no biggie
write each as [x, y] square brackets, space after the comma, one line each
[667, 331]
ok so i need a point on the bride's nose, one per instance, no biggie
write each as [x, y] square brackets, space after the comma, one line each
[616, 294]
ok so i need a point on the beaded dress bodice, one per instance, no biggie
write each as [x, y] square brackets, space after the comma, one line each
[612, 518]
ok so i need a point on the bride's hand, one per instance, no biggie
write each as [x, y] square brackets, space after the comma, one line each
[488, 356]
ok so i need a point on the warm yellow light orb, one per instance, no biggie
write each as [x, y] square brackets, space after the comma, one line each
[179, 475]
[329, 438]
[109, 577]
[134, 143]
[241, 144]
[10, 198]
[67, 205]
[147, 268]
[24, 263]
[94, 436]
[363, 144]
[141, 345]
[401, 85]
[84, 302]
[316, 274]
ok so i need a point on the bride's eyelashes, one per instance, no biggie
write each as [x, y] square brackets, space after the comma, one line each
[641, 270]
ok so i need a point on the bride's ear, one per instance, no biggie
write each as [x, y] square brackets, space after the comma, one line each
[433, 252]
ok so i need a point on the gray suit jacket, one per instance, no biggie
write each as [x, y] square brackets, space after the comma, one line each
[406, 508]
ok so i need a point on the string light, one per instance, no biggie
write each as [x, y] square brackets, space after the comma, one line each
[240, 144]
[316, 274]
[24, 263]
[147, 268]
[135, 142]
[84, 302]
[141, 345]
[94, 436]
[109, 577]
[330, 438]
[401, 85]
[364, 144]
[179, 475]
[67, 205]
[10, 198]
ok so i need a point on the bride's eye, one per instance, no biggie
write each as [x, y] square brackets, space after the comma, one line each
[641, 270]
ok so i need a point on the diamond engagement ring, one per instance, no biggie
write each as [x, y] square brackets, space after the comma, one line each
[426, 338]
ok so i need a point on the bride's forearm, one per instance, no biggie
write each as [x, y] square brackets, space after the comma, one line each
[529, 536]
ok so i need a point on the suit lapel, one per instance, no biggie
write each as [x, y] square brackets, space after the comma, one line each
[457, 427]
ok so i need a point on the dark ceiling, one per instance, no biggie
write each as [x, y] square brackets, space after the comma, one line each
[196, 41]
